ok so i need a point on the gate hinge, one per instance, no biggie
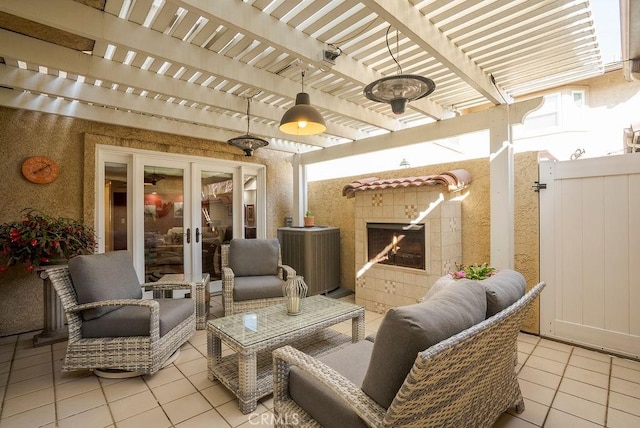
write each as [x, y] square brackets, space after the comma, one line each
[537, 186]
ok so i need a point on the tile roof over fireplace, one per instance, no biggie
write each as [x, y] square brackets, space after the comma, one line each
[455, 180]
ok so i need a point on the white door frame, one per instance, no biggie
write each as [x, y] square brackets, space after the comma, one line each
[135, 159]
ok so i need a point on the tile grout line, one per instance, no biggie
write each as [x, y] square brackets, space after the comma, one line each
[6, 385]
[606, 408]
[55, 396]
[555, 393]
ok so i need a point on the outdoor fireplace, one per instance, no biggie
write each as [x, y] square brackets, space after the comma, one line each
[396, 244]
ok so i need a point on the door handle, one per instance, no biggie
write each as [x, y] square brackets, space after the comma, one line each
[197, 235]
[188, 236]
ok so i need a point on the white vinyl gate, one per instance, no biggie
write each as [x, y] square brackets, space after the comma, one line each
[590, 252]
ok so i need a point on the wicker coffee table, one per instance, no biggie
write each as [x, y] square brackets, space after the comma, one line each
[253, 335]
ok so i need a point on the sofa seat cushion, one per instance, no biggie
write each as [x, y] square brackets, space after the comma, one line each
[257, 287]
[407, 330]
[254, 257]
[503, 289]
[135, 320]
[317, 400]
[108, 276]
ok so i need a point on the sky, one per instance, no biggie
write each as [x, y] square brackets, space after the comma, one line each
[606, 15]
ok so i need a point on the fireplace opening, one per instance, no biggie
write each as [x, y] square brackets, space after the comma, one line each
[396, 244]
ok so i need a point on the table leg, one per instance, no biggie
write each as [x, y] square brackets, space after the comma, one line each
[357, 328]
[214, 353]
[247, 382]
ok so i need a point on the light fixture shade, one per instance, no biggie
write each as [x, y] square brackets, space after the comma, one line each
[248, 143]
[302, 118]
[399, 90]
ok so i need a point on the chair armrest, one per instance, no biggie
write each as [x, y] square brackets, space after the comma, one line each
[350, 394]
[285, 271]
[151, 304]
[227, 290]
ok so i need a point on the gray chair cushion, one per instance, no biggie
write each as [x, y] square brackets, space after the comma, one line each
[503, 289]
[254, 257]
[107, 276]
[135, 320]
[317, 400]
[407, 330]
[439, 285]
[257, 287]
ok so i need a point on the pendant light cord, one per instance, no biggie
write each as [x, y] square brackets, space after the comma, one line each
[389, 48]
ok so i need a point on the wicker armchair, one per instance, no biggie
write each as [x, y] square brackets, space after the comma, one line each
[467, 380]
[252, 275]
[110, 326]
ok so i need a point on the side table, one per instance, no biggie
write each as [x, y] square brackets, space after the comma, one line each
[54, 329]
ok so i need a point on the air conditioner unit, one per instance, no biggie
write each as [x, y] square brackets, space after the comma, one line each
[635, 68]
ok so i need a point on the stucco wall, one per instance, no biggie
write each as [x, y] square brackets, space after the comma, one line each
[332, 209]
[71, 143]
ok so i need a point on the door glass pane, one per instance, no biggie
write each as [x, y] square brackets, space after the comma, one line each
[163, 221]
[249, 198]
[217, 218]
[115, 206]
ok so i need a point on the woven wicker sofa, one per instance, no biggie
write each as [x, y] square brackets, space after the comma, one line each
[418, 370]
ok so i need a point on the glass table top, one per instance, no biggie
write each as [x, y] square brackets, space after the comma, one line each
[271, 322]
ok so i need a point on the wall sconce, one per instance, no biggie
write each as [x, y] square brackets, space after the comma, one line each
[302, 118]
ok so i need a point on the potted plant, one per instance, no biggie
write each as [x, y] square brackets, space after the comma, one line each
[309, 219]
[476, 271]
[40, 239]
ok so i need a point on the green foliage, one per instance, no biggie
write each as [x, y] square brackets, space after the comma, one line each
[475, 271]
[39, 238]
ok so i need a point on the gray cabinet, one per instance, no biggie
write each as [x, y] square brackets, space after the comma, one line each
[314, 252]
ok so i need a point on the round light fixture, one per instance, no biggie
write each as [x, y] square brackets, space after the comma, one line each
[247, 142]
[302, 118]
[399, 90]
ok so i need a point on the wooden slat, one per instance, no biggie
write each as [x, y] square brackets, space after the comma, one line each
[592, 252]
[571, 244]
[634, 254]
[616, 224]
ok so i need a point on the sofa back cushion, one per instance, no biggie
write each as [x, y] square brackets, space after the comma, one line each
[503, 289]
[107, 276]
[254, 257]
[407, 330]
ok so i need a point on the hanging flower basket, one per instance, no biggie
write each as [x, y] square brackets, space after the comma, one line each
[39, 239]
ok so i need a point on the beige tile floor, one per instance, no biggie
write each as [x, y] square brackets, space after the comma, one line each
[563, 386]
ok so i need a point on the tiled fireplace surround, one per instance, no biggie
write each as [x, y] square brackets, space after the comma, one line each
[379, 286]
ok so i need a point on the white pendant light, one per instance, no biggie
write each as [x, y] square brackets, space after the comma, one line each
[302, 118]
[400, 89]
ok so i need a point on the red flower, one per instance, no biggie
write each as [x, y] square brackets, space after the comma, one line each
[44, 259]
[30, 268]
[56, 244]
[34, 242]
[3, 268]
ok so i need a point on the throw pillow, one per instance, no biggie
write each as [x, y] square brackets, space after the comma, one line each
[107, 276]
[407, 330]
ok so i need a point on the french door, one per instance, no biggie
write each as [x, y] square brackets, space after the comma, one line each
[174, 212]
